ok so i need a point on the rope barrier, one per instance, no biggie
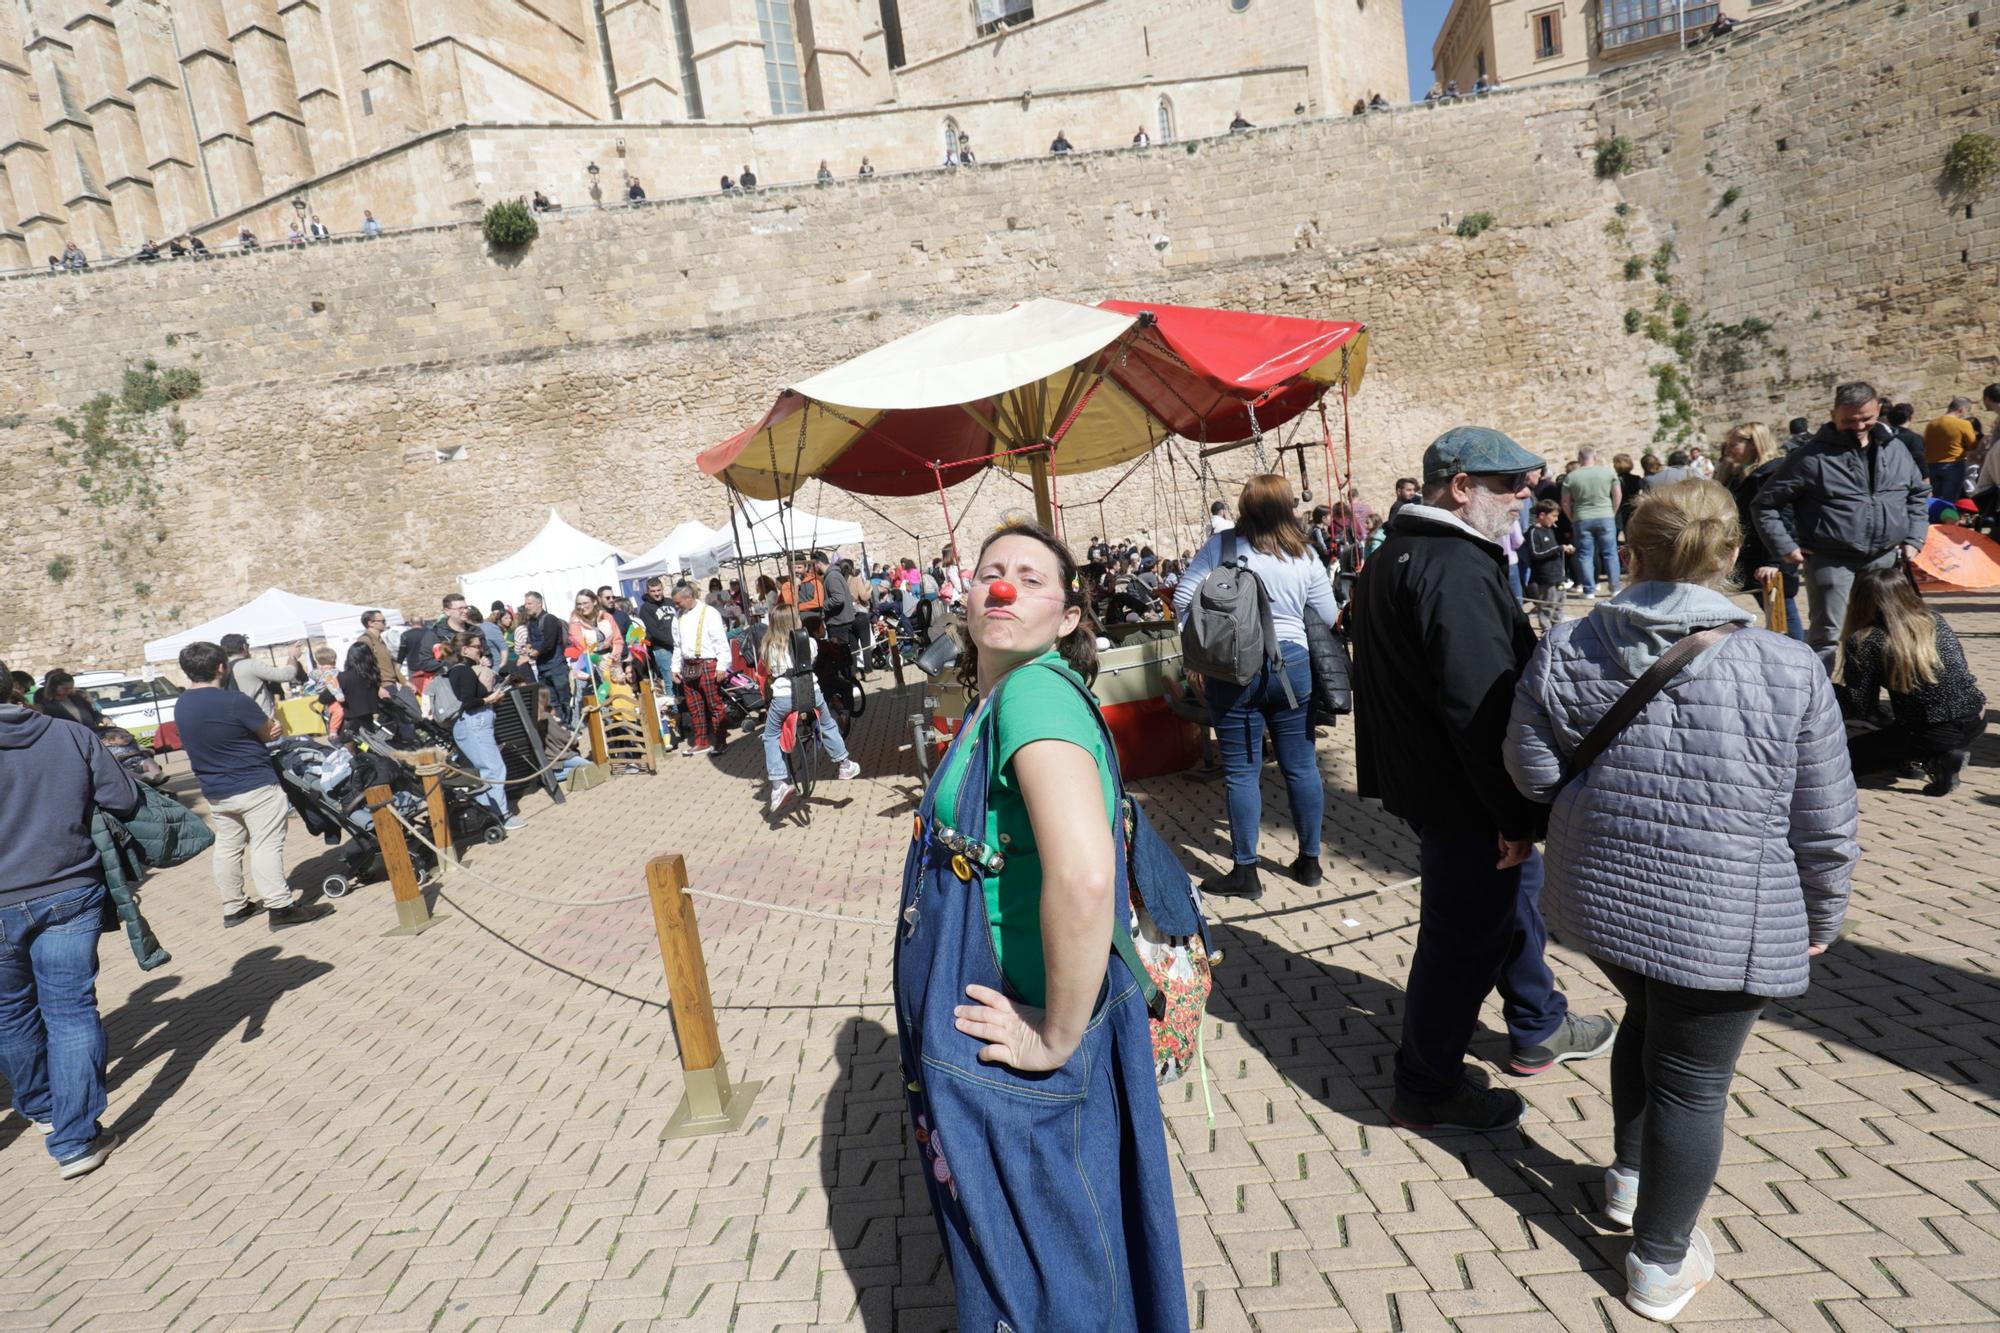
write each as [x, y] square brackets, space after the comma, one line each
[445, 766]
[814, 913]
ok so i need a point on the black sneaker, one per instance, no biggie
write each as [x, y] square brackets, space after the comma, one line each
[1578, 1038]
[1943, 771]
[1240, 882]
[1306, 871]
[241, 914]
[1473, 1108]
[298, 914]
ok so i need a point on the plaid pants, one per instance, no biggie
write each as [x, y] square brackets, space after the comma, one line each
[701, 691]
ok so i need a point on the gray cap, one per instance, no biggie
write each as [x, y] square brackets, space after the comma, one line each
[1479, 450]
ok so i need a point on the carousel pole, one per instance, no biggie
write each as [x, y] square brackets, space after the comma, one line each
[1038, 472]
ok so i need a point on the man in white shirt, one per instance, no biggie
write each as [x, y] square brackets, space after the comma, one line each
[701, 654]
[1218, 517]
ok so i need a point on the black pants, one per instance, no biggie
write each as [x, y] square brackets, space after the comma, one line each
[1891, 747]
[1670, 1071]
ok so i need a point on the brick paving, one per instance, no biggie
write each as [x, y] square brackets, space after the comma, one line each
[328, 1129]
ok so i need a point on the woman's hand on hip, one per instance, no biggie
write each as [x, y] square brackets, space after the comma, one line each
[1014, 1034]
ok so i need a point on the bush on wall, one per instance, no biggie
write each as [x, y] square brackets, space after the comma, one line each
[509, 224]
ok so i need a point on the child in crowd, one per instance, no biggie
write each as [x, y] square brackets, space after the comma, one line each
[1890, 637]
[1544, 553]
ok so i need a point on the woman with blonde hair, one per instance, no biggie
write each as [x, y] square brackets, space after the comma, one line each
[1890, 638]
[1270, 544]
[1749, 459]
[780, 663]
[1700, 842]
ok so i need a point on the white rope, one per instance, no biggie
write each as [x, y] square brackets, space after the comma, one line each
[795, 911]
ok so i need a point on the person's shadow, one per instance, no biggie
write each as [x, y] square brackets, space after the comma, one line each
[880, 1219]
[154, 1025]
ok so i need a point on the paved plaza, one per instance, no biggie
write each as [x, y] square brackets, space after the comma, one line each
[331, 1130]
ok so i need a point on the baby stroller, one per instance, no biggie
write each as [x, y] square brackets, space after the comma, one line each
[833, 669]
[328, 787]
[742, 701]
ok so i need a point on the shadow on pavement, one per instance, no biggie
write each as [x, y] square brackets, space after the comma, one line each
[154, 1025]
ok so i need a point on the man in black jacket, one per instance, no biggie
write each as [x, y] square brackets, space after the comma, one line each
[1855, 505]
[547, 635]
[656, 615]
[1439, 640]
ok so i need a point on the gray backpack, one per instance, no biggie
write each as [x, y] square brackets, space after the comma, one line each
[1228, 634]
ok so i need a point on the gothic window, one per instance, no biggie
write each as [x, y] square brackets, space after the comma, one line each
[781, 57]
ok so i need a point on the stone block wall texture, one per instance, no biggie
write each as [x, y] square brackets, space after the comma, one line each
[586, 372]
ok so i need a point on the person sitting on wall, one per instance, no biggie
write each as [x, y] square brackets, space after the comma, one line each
[148, 252]
[1480, 86]
[197, 245]
[175, 250]
[540, 203]
[1450, 89]
[635, 193]
[295, 234]
[1378, 103]
[965, 157]
[317, 230]
[747, 179]
[867, 169]
[728, 185]
[824, 176]
[1060, 145]
[1142, 139]
[1237, 124]
[1722, 26]
[55, 265]
[1436, 93]
[245, 238]
[73, 258]
[1360, 106]
[369, 226]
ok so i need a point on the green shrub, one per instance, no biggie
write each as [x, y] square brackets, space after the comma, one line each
[1729, 196]
[59, 569]
[1633, 320]
[1633, 268]
[1971, 161]
[509, 224]
[1472, 224]
[1614, 157]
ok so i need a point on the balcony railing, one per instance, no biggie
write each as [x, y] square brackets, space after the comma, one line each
[1628, 22]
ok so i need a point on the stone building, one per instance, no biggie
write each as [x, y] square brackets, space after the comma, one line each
[122, 120]
[1533, 41]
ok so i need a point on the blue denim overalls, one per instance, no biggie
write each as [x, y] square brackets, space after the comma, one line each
[1052, 1191]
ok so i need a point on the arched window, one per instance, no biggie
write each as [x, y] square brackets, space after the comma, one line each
[1166, 134]
[950, 141]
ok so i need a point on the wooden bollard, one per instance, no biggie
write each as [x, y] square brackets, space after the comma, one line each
[710, 1103]
[895, 655]
[593, 720]
[649, 719]
[434, 798]
[413, 914]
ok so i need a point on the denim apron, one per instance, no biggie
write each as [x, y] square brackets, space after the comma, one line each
[1051, 1191]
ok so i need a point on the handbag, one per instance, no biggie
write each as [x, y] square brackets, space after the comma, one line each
[1332, 672]
[1637, 695]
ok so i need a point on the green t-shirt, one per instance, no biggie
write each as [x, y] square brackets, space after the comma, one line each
[1036, 705]
[1589, 491]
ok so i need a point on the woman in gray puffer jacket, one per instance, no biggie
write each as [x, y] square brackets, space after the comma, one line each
[1699, 860]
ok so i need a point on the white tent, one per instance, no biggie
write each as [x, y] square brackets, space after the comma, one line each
[555, 564]
[767, 528]
[274, 616]
[674, 552]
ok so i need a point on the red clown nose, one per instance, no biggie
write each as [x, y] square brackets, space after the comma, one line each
[1000, 591]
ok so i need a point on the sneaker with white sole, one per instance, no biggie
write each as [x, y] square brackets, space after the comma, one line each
[848, 770]
[1661, 1294]
[1578, 1038]
[92, 1157]
[44, 1127]
[514, 822]
[781, 793]
[1621, 1196]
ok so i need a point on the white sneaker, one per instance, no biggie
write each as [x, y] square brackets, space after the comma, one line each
[514, 822]
[45, 1127]
[1621, 1196]
[694, 750]
[781, 793]
[847, 771]
[100, 1148]
[1659, 1295]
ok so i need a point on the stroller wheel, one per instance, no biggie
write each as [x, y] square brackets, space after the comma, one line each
[336, 886]
[494, 833]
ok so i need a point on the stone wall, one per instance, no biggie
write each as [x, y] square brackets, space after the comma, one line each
[586, 372]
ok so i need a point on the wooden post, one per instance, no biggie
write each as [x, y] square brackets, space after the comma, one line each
[1038, 471]
[710, 1103]
[649, 718]
[413, 914]
[895, 654]
[434, 798]
[593, 719]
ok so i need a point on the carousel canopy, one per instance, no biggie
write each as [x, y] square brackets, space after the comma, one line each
[1104, 383]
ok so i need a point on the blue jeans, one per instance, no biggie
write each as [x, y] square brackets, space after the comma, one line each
[555, 675]
[1239, 714]
[1597, 537]
[663, 666]
[51, 1038]
[1948, 481]
[474, 734]
[1478, 928]
[774, 751]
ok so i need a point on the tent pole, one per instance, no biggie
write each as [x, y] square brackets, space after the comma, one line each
[1038, 471]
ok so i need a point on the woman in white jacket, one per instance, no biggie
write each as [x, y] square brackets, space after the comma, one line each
[779, 667]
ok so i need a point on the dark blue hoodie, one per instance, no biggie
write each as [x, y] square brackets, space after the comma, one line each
[52, 774]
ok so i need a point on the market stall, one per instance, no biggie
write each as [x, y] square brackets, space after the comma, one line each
[271, 618]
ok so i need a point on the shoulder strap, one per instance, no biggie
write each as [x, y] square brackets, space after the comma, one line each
[1638, 694]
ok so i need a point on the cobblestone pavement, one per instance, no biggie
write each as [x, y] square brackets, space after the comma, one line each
[328, 1129]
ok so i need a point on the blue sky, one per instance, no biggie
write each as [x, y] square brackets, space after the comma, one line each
[1421, 21]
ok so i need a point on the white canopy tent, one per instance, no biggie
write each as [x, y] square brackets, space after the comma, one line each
[683, 549]
[557, 562]
[765, 528]
[274, 616]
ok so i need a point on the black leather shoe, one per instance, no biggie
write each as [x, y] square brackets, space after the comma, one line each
[1306, 871]
[1240, 882]
[298, 914]
[241, 914]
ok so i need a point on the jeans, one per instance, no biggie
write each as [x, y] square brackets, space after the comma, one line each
[663, 665]
[1887, 749]
[1948, 481]
[1597, 543]
[474, 734]
[1829, 582]
[1478, 928]
[555, 676]
[51, 1038]
[1670, 1071]
[1795, 624]
[774, 753]
[251, 822]
[1239, 714]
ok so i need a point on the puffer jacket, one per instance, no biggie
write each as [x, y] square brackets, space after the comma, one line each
[1846, 502]
[161, 832]
[1713, 838]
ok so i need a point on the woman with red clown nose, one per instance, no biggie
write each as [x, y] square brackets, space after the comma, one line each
[1027, 1057]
